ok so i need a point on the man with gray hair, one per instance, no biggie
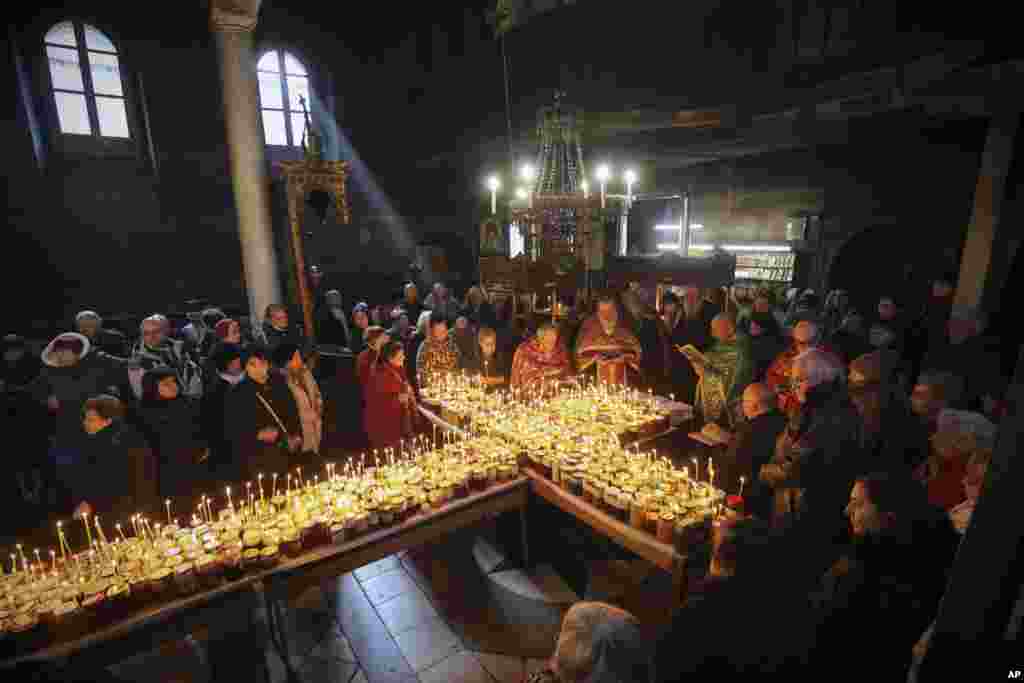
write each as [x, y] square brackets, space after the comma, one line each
[90, 325]
[974, 358]
[818, 456]
[155, 349]
[753, 446]
[806, 336]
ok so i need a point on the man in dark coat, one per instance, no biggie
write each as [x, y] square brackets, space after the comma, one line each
[819, 455]
[170, 422]
[115, 476]
[729, 627]
[262, 420]
[89, 324]
[885, 590]
[752, 446]
[686, 322]
[226, 363]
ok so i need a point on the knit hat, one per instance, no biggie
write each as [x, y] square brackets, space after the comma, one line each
[361, 307]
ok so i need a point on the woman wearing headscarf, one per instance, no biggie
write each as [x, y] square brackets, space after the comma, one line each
[170, 422]
[598, 643]
[390, 403]
[288, 361]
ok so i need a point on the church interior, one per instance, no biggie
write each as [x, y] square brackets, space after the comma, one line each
[511, 341]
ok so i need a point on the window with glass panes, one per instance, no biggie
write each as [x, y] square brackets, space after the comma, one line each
[283, 80]
[85, 76]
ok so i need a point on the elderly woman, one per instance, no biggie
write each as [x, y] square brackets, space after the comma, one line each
[819, 454]
[960, 436]
[598, 643]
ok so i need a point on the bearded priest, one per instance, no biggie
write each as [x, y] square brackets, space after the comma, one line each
[607, 345]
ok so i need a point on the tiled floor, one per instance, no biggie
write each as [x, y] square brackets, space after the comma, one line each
[432, 617]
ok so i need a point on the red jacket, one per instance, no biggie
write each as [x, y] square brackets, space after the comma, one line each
[364, 363]
[385, 419]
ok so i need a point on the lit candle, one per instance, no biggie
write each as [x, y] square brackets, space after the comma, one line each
[273, 488]
[85, 521]
[742, 481]
[53, 559]
[167, 504]
[39, 561]
[118, 527]
[60, 541]
[261, 486]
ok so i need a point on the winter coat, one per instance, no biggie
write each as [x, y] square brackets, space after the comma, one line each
[882, 596]
[174, 431]
[310, 405]
[95, 373]
[817, 458]
[386, 420]
[116, 474]
[247, 415]
[170, 354]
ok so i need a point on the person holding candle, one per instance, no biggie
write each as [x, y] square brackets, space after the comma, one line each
[753, 446]
[390, 413]
[487, 361]
[116, 474]
[806, 336]
[263, 421]
[306, 392]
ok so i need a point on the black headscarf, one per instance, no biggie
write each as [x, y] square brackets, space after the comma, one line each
[151, 381]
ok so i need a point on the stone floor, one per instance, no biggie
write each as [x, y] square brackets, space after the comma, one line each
[431, 615]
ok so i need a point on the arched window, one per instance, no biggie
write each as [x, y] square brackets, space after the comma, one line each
[85, 76]
[283, 80]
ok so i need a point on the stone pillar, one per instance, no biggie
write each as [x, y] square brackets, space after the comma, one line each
[233, 29]
[988, 204]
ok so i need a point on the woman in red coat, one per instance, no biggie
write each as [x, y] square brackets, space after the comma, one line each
[375, 337]
[390, 404]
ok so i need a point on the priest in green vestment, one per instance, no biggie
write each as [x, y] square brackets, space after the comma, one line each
[725, 371]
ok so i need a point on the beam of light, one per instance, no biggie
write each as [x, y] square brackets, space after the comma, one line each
[668, 227]
[336, 147]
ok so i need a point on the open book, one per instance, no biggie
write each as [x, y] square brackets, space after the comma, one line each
[712, 435]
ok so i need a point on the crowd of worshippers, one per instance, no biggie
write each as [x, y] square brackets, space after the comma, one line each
[863, 440]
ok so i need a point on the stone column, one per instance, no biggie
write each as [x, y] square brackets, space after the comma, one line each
[988, 204]
[233, 29]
